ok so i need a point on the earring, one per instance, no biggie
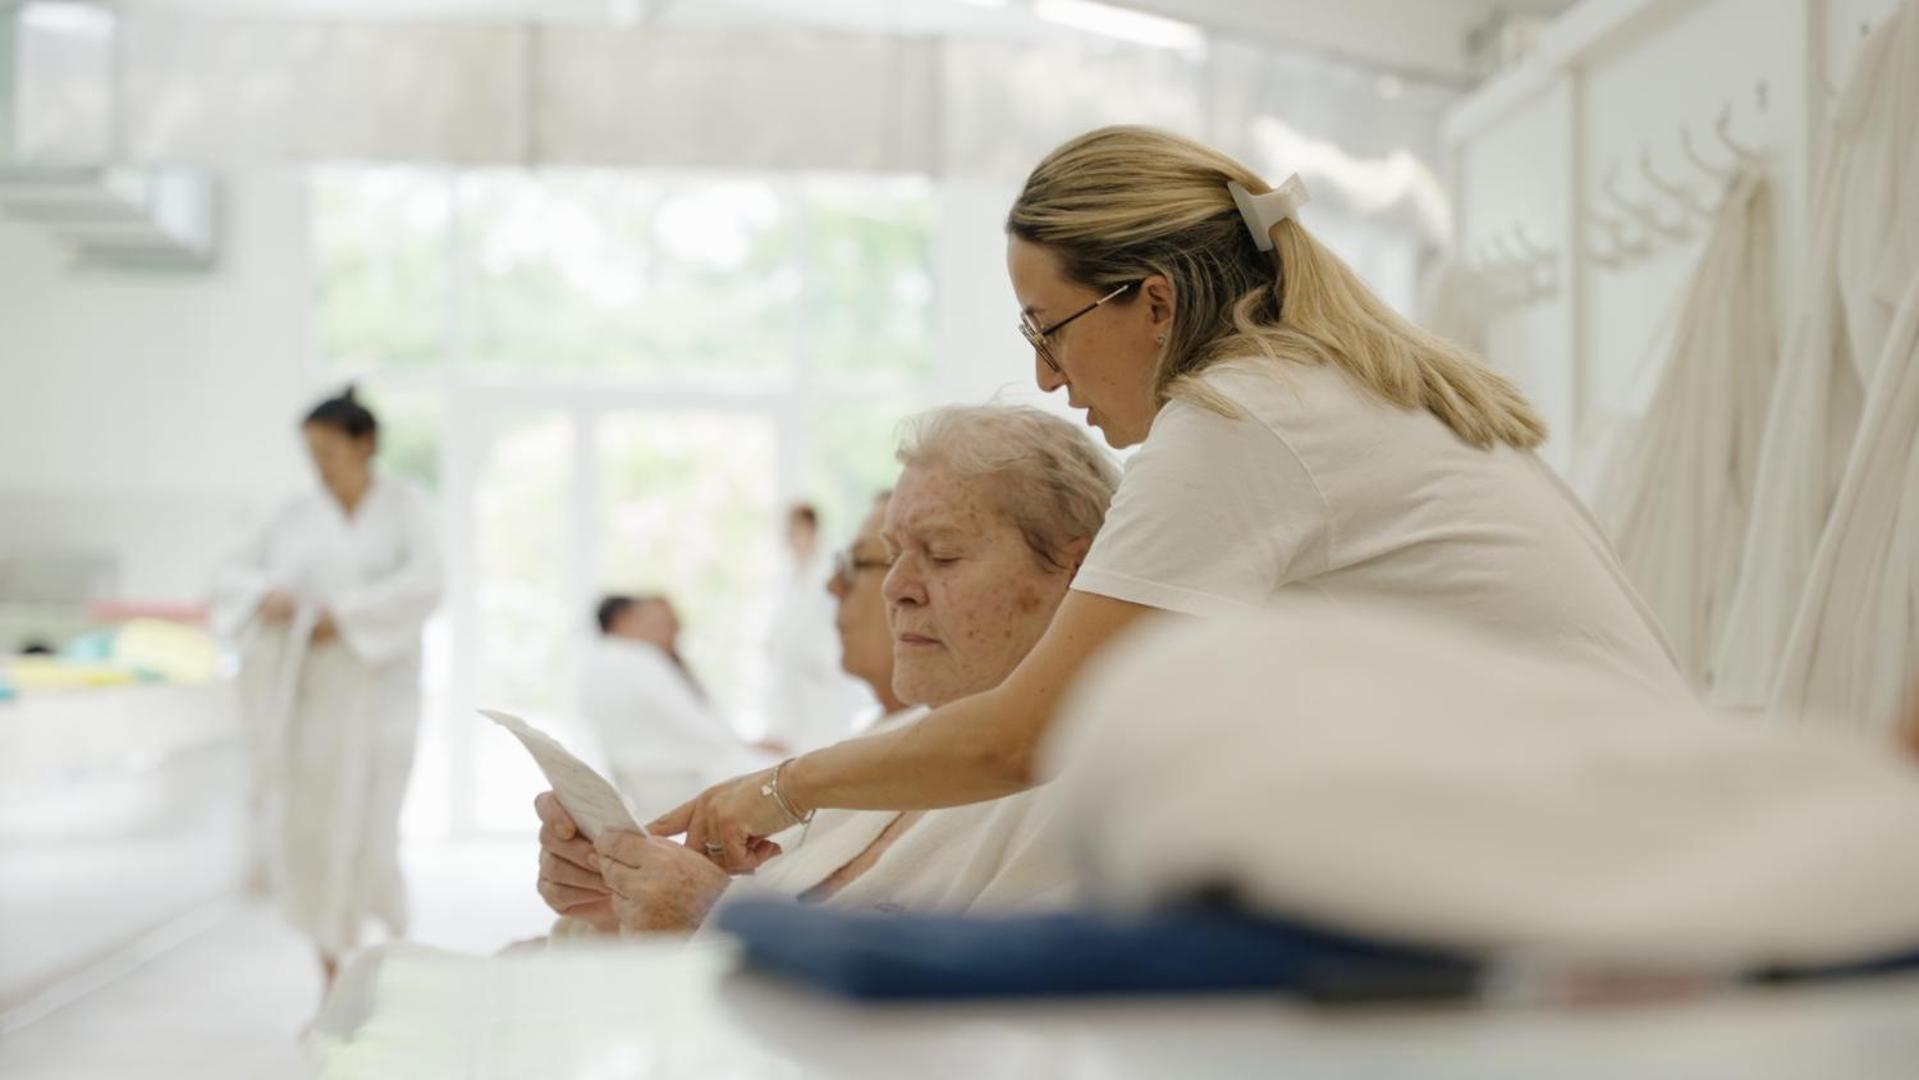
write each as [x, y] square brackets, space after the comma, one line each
[1160, 340]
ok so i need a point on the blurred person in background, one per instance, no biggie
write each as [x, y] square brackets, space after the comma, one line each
[660, 733]
[810, 702]
[325, 603]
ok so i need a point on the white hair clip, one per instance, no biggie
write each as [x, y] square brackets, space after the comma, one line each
[1262, 212]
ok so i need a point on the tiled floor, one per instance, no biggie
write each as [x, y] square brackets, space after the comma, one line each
[229, 1003]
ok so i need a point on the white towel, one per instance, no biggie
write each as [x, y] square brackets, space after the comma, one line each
[1369, 772]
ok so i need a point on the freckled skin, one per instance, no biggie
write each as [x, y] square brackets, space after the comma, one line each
[964, 577]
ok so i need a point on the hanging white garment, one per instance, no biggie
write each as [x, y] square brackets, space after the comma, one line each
[1677, 493]
[332, 726]
[810, 701]
[663, 742]
[1368, 771]
[1865, 239]
[1853, 657]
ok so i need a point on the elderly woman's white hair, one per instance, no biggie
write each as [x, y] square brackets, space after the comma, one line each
[1056, 483]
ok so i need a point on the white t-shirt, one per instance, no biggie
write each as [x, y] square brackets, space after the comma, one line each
[1323, 487]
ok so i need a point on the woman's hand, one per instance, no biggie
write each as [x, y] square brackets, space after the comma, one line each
[324, 628]
[730, 822]
[277, 606]
[570, 880]
[658, 885]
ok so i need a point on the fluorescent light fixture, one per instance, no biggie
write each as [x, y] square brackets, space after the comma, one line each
[1122, 23]
[67, 18]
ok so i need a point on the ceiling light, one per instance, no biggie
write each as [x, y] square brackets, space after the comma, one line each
[1122, 23]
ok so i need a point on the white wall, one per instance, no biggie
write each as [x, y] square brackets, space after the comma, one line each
[149, 414]
[981, 353]
[1518, 182]
[1534, 148]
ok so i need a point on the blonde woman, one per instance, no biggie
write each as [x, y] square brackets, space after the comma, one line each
[1294, 434]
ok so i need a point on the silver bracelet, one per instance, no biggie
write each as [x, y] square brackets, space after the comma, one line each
[772, 788]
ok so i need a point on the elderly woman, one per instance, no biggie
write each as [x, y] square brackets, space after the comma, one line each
[995, 508]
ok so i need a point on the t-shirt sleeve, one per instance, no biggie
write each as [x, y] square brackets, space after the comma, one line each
[1212, 516]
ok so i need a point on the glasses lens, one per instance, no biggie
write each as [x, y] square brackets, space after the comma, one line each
[1038, 341]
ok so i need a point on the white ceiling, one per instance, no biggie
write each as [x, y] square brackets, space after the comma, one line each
[1418, 39]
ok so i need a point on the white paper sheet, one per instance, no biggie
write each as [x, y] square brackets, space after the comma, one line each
[592, 800]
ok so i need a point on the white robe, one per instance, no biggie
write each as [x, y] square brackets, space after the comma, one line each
[810, 701]
[1370, 771]
[1676, 494]
[1001, 855]
[332, 726]
[662, 741]
[1853, 657]
[1865, 251]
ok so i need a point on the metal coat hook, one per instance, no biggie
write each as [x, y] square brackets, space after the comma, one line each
[1627, 244]
[1518, 273]
[1698, 160]
[1722, 127]
[1677, 192]
[1610, 257]
[1643, 212]
[1508, 275]
[1542, 264]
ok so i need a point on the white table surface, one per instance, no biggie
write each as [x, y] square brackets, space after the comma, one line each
[672, 1010]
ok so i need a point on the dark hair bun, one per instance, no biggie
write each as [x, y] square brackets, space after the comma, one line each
[346, 415]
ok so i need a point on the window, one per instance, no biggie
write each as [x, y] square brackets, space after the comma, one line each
[617, 381]
[379, 239]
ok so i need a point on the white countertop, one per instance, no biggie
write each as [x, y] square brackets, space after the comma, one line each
[46, 736]
[673, 1010]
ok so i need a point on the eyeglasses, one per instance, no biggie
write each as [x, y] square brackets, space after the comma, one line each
[846, 566]
[1036, 334]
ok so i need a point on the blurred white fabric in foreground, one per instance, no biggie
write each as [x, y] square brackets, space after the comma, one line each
[1374, 773]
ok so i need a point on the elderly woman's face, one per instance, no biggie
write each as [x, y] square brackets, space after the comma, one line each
[966, 597]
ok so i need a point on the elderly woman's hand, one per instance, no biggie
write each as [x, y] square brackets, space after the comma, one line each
[658, 885]
[570, 880]
[729, 822]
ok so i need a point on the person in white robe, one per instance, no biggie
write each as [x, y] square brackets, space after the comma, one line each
[1852, 660]
[1865, 253]
[994, 509]
[662, 739]
[1677, 492]
[810, 701]
[325, 604]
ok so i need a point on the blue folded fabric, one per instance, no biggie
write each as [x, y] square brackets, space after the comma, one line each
[1196, 949]
[1190, 950]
